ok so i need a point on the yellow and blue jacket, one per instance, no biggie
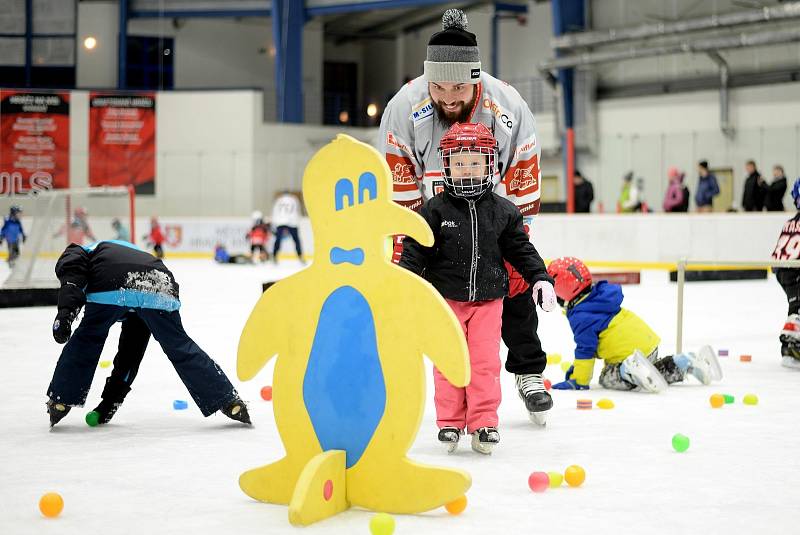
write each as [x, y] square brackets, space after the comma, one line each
[603, 329]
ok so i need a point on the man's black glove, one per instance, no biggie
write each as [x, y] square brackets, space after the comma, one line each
[62, 326]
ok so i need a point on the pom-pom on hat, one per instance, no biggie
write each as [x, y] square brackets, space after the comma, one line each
[453, 54]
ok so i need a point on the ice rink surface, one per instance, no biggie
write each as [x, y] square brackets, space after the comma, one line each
[154, 470]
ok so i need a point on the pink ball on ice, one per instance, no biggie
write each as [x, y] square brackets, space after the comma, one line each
[539, 481]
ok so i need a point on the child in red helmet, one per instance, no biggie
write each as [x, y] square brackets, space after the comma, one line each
[603, 329]
[475, 230]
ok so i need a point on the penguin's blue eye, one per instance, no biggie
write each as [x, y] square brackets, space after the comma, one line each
[367, 182]
[344, 189]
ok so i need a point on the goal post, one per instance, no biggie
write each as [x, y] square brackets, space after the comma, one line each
[710, 264]
[52, 219]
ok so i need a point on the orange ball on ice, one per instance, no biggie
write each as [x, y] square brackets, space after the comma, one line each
[51, 504]
[266, 393]
[574, 475]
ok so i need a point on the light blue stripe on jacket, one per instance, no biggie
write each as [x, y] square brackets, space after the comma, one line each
[135, 299]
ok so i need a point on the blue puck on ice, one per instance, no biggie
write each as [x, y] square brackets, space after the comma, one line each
[180, 405]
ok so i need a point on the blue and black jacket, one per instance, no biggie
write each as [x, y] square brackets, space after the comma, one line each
[114, 273]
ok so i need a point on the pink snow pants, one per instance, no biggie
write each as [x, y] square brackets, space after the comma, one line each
[474, 406]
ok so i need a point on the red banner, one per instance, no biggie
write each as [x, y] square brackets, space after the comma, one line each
[122, 141]
[34, 141]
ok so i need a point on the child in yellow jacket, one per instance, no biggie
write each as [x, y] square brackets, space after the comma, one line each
[603, 329]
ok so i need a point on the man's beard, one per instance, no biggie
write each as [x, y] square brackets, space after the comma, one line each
[449, 119]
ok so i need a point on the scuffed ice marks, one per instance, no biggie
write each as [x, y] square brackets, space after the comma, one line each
[152, 281]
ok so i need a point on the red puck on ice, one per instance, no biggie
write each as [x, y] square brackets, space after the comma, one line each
[584, 404]
[745, 358]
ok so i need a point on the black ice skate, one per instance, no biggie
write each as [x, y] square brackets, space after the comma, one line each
[449, 437]
[106, 410]
[57, 411]
[531, 390]
[484, 439]
[237, 410]
[113, 395]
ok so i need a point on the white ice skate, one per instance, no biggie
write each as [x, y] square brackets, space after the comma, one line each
[449, 436]
[704, 365]
[638, 370]
[485, 439]
[790, 362]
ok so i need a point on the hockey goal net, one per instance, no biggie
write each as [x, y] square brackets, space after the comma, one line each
[52, 219]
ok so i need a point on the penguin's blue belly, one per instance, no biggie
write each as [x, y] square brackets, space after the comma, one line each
[343, 389]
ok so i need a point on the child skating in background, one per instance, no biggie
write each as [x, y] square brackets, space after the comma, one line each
[258, 236]
[788, 248]
[603, 329]
[156, 238]
[474, 231]
[120, 231]
[78, 230]
[12, 233]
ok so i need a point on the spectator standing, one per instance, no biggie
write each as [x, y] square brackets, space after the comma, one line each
[584, 194]
[776, 190]
[707, 188]
[755, 189]
[676, 198]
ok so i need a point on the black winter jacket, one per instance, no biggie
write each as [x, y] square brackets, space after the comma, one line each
[114, 274]
[472, 237]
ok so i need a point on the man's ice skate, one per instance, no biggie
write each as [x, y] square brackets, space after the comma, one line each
[449, 437]
[57, 411]
[531, 390]
[638, 370]
[704, 365]
[484, 439]
[237, 410]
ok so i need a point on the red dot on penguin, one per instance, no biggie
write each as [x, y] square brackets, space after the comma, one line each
[327, 490]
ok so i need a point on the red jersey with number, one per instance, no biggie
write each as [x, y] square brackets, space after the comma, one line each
[788, 246]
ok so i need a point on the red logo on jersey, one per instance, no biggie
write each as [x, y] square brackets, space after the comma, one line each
[522, 178]
[402, 169]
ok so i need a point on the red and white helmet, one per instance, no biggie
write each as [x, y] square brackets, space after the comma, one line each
[571, 278]
[467, 138]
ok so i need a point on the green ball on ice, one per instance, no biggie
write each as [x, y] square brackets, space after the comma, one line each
[92, 418]
[680, 442]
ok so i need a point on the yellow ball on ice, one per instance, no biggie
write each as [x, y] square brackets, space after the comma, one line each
[554, 358]
[381, 524]
[605, 403]
[555, 479]
[750, 399]
[565, 365]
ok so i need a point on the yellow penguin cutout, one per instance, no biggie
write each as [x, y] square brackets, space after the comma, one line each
[349, 333]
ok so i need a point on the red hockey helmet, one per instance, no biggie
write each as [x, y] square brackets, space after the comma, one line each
[463, 176]
[571, 277]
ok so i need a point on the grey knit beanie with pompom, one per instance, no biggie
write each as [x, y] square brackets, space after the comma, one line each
[453, 54]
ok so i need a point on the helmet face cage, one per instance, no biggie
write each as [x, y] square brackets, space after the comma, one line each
[463, 177]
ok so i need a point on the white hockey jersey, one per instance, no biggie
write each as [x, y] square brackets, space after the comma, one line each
[286, 211]
[410, 133]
